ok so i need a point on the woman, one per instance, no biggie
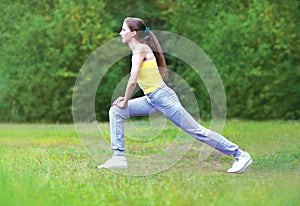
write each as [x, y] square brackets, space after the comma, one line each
[149, 71]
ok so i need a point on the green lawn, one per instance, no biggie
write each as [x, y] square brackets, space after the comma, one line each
[48, 165]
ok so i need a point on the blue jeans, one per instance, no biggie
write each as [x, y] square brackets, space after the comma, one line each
[165, 101]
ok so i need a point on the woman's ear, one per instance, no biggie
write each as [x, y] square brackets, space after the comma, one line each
[133, 33]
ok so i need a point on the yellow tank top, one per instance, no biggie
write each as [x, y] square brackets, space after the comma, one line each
[149, 78]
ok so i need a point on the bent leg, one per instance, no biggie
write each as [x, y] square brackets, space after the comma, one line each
[117, 116]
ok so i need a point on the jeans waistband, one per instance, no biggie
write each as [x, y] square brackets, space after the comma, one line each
[152, 93]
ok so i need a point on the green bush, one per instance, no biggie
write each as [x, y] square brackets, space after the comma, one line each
[253, 44]
[44, 54]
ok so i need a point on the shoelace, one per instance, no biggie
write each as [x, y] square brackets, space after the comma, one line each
[237, 159]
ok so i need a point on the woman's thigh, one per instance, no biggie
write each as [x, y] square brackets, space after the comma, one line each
[140, 107]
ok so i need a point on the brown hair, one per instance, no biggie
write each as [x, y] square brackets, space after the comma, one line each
[149, 38]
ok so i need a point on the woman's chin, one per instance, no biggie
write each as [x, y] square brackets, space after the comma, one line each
[122, 40]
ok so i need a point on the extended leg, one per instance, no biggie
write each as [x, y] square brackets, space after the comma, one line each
[186, 122]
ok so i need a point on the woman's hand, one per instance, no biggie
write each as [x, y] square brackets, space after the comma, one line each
[120, 102]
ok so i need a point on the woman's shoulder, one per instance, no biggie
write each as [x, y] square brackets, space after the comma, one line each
[142, 51]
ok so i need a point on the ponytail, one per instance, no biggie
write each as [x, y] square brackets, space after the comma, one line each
[152, 41]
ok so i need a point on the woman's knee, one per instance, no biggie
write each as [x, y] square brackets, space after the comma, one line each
[113, 110]
[118, 112]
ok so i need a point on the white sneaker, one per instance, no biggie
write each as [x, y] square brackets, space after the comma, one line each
[114, 162]
[240, 163]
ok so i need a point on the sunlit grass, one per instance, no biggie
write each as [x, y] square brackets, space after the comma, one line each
[47, 165]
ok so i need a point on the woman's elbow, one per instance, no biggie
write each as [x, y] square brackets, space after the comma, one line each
[132, 82]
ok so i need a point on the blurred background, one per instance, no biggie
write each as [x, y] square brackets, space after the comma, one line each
[254, 45]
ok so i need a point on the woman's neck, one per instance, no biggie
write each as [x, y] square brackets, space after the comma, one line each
[133, 44]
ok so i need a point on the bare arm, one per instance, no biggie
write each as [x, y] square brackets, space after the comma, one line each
[137, 60]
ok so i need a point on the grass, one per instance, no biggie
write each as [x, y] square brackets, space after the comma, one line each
[47, 165]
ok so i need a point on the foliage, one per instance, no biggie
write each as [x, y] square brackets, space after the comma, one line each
[254, 45]
[41, 65]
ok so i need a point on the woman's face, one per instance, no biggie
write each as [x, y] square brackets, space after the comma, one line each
[125, 34]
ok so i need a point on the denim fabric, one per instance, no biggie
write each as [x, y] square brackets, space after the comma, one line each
[165, 101]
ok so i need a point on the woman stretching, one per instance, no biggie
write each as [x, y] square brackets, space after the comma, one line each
[149, 71]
